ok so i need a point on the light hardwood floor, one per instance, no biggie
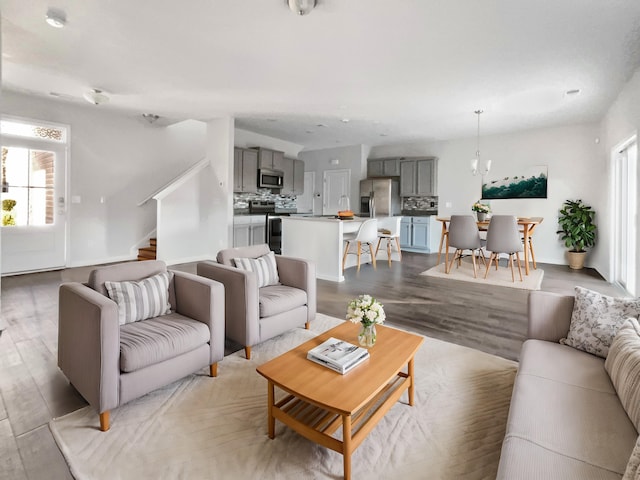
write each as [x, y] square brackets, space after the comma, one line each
[33, 390]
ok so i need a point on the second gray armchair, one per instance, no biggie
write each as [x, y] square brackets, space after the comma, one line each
[253, 313]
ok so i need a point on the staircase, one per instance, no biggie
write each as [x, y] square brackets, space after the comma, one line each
[148, 253]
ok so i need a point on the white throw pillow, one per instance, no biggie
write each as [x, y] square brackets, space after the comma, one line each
[264, 267]
[595, 320]
[147, 298]
[623, 366]
[633, 467]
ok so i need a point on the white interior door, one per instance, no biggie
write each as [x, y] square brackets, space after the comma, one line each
[304, 202]
[625, 247]
[336, 184]
[33, 206]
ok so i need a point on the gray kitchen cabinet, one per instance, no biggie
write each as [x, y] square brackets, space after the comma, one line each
[426, 177]
[407, 178]
[245, 170]
[375, 168]
[414, 234]
[249, 230]
[288, 178]
[298, 177]
[418, 177]
[383, 167]
[293, 181]
[271, 159]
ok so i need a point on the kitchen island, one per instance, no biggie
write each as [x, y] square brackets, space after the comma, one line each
[319, 239]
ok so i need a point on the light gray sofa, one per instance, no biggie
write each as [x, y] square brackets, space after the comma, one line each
[254, 314]
[110, 364]
[565, 419]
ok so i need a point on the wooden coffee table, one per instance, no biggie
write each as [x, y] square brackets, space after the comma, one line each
[320, 401]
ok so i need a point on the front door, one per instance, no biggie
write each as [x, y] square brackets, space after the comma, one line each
[33, 205]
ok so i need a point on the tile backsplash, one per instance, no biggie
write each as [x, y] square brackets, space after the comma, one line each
[241, 200]
[420, 203]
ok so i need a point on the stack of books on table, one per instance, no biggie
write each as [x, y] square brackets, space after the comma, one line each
[338, 355]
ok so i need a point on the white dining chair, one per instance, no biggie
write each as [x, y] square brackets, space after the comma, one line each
[389, 231]
[367, 234]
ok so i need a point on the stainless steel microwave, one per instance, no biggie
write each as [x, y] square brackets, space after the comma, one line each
[270, 178]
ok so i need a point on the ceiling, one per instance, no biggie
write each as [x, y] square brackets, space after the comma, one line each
[369, 72]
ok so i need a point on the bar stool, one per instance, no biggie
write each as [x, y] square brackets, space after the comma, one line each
[389, 230]
[367, 234]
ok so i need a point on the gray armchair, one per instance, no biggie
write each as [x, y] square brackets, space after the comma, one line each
[110, 364]
[254, 314]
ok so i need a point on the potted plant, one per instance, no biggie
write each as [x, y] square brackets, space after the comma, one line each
[577, 230]
[481, 210]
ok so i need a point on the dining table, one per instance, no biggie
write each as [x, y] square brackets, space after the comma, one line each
[527, 225]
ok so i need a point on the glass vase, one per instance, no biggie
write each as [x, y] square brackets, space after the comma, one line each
[367, 335]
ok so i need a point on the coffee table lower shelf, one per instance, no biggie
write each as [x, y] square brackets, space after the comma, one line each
[319, 423]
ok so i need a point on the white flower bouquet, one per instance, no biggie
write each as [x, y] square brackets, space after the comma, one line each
[480, 207]
[366, 310]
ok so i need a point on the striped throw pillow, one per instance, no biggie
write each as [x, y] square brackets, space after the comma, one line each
[147, 298]
[623, 366]
[264, 267]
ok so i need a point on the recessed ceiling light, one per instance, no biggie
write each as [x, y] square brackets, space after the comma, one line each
[309, 131]
[345, 120]
[573, 91]
[383, 134]
[56, 18]
[321, 125]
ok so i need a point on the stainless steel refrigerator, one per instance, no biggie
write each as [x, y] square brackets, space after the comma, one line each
[379, 197]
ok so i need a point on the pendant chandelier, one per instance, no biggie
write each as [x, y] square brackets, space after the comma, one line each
[475, 163]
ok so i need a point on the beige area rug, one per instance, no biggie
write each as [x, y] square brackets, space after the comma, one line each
[501, 277]
[216, 428]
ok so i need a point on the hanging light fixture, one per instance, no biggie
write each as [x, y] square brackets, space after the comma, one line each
[96, 96]
[301, 7]
[151, 118]
[475, 163]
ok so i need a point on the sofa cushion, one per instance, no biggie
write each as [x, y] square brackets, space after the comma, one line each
[139, 300]
[564, 364]
[596, 318]
[633, 467]
[522, 459]
[277, 299]
[580, 418]
[623, 366]
[151, 341]
[264, 267]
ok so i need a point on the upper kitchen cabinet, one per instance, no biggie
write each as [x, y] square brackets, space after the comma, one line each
[271, 159]
[293, 181]
[418, 177]
[245, 170]
[383, 167]
[298, 177]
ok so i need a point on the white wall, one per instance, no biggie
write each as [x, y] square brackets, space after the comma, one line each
[246, 139]
[195, 218]
[352, 158]
[116, 156]
[575, 167]
[621, 122]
